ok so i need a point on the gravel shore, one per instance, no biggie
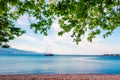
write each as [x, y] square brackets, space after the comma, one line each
[59, 77]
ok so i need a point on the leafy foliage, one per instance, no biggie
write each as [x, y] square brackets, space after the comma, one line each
[78, 16]
[8, 31]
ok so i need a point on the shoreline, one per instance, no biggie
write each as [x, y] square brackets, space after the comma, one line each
[59, 76]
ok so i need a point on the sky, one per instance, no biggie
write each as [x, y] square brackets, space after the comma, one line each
[63, 44]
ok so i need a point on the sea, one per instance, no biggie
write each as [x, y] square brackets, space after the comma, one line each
[59, 64]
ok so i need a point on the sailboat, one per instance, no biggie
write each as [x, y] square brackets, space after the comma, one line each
[48, 51]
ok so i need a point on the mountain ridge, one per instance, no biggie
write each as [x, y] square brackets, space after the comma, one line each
[16, 51]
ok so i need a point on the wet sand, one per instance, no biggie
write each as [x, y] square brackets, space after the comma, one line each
[59, 77]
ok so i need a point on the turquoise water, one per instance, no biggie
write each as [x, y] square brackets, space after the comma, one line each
[38, 64]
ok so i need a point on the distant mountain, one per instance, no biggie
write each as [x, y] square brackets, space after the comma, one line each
[15, 51]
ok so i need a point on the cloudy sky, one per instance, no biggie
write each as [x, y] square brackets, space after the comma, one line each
[63, 45]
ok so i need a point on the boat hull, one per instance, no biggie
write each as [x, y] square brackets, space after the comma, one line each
[49, 55]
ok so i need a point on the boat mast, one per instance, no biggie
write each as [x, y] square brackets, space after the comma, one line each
[48, 50]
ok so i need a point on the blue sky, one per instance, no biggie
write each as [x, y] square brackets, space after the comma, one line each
[63, 45]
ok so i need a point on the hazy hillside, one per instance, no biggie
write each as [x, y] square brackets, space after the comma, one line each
[15, 51]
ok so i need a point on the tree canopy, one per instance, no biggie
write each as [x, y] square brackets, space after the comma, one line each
[79, 16]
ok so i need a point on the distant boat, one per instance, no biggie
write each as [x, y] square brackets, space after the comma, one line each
[48, 51]
[49, 54]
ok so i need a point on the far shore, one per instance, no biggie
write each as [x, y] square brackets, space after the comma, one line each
[60, 77]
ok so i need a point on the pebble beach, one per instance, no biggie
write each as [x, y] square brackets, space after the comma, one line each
[59, 77]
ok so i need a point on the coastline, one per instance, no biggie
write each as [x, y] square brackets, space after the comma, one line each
[60, 77]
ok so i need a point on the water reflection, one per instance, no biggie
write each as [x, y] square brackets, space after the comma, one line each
[58, 64]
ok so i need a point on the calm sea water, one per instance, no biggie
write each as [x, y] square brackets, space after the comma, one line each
[37, 64]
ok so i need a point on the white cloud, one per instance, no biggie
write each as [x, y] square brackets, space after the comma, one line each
[55, 27]
[27, 42]
[29, 38]
[23, 20]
